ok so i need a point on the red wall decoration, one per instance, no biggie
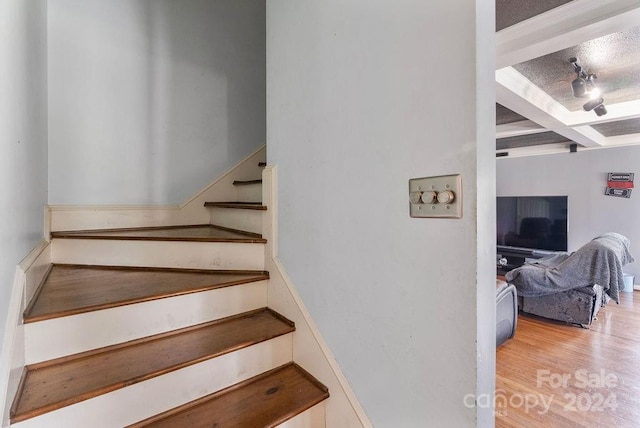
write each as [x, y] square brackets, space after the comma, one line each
[619, 184]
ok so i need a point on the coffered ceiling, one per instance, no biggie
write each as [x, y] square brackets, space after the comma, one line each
[536, 111]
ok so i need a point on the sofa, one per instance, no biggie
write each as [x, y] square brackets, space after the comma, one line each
[579, 306]
[573, 287]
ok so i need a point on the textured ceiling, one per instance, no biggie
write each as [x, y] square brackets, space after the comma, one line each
[509, 12]
[538, 139]
[614, 58]
[504, 115]
[621, 127]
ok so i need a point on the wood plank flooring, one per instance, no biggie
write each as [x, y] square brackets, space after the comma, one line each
[555, 375]
[74, 289]
[202, 233]
[54, 384]
[264, 401]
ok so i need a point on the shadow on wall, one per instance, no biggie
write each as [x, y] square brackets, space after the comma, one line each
[206, 87]
[150, 100]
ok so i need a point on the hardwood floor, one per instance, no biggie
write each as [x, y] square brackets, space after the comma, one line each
[556, 375]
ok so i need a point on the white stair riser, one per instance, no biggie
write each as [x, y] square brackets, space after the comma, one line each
[57, 337]
[248, 220]
[171, 254]
[310, 418]
[249, 192]
[145, 399]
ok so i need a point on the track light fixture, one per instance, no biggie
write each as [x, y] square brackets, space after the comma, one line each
[597, 105]
[584, 86]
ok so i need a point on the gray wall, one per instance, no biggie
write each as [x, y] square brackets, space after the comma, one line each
[363, 96]
[582, 176]
[150, 100]
[23, 135]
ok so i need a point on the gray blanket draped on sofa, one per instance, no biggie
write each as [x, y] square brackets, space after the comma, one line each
[600, 262]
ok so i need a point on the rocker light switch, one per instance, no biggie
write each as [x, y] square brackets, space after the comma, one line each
[439, 197]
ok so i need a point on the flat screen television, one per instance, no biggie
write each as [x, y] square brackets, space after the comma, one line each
[532, 222]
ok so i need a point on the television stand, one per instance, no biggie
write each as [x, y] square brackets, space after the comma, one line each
[503, 269]
[516, 257]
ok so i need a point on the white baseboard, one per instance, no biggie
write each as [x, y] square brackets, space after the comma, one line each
[309, 348]
[29, 274]
[68, 217]
[12, 356]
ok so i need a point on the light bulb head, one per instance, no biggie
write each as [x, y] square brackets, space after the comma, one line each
[601, 110]
[596, 105]
[595, 93]
[579, 87]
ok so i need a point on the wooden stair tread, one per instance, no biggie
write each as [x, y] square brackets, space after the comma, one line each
[237, 205]
[198, 233]
[246, 182]
[266, 400]
[74, 289]
[57, 383]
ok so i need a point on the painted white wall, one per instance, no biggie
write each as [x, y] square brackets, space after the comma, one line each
[23, 168]
[362, 96]
[309, 347]
[23, 135]
[150, 100]
[582, 176]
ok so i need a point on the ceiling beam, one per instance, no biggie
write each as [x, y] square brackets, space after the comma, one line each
[565, 26]
[560, 28]
[624, 140]
[517, 93]
[615, 112]
[547, 149]
[515, 129]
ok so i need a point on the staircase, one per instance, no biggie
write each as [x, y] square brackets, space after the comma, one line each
[246, 212]
[164, 326]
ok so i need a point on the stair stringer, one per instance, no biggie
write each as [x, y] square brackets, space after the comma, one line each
[309, 348]
[69, 217]
[30, 273]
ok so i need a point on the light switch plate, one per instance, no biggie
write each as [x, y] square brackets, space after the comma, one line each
[452, 183]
